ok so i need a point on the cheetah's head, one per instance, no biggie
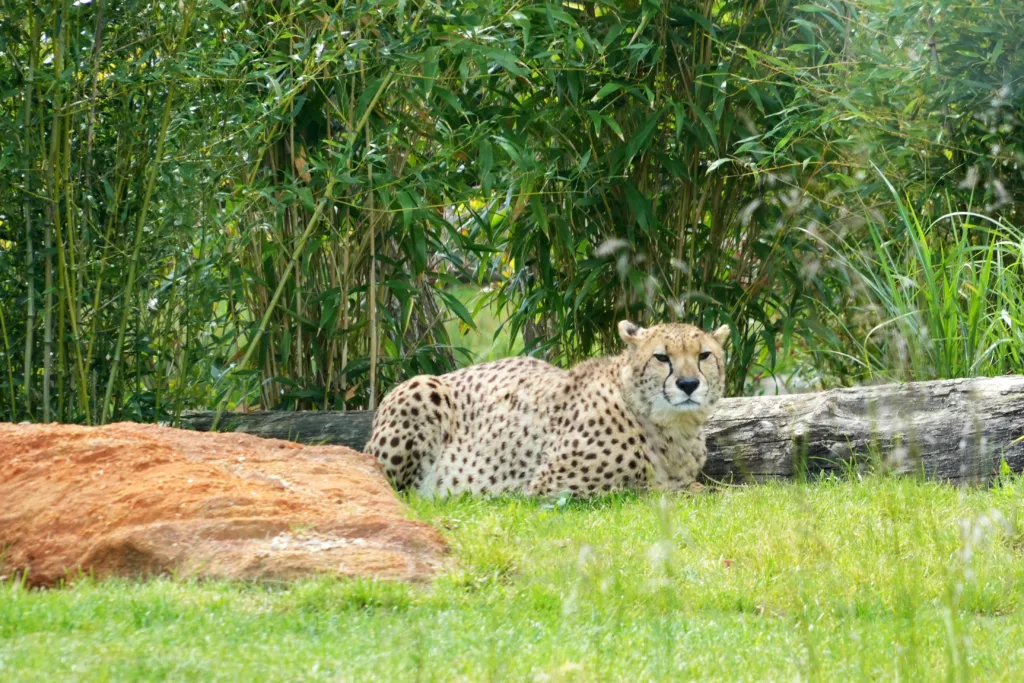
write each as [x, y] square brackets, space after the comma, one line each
[673, 371]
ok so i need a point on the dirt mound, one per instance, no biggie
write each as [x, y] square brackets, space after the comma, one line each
[134, 500]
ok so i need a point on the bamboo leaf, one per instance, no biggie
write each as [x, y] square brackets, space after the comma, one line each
[606, 89]
[715, 164]
[643, 135]
[458, 308]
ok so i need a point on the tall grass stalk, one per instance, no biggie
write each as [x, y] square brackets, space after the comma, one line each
[938, 299]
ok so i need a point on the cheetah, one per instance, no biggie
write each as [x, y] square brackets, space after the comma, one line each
[522, 425]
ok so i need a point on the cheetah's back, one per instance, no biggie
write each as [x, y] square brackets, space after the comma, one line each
[488, 430]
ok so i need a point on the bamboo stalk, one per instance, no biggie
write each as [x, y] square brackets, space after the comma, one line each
[344, 309]
[335, 281]
[10, 365]
[372, 298]
[98, 286]
[296, 354]
[62, 366]
[91, 117]
[53, 223]
[272, 305]
[30, 266]
[345, 281]
[48, 312]
[183, 361]
[168, 307]
[66, 262]
[133, 266]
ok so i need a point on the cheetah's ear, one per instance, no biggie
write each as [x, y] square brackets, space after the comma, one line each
[721, 335]
[630, 332]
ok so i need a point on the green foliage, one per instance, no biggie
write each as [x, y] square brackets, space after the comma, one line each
[883, 578]
[918, 221]
[275, 203]
[936, 94]
[938, 301]
[648, 196]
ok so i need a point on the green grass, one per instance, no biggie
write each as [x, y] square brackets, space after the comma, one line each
[876, 579]
[934, 300]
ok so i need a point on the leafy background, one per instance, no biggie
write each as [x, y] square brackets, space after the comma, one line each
[299, 204]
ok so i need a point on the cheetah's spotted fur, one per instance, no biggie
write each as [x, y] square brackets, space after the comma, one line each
[521, 424]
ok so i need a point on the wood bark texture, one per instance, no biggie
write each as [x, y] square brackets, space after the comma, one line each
[950, 430]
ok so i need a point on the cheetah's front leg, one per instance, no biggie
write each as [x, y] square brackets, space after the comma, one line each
[678, 471]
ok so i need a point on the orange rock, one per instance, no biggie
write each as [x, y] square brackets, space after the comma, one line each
[135, 500]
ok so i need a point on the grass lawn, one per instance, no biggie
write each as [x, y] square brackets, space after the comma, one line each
[881, 578]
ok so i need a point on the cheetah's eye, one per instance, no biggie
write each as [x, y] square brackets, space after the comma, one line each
[661, 357]
[704, 355]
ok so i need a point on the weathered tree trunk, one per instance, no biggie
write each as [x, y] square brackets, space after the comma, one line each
[950, 430]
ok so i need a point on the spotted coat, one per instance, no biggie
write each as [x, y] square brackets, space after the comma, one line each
[520, 424]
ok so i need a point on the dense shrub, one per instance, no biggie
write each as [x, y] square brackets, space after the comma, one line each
[269, 202]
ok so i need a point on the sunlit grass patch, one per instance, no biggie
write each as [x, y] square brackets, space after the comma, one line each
[879, 578]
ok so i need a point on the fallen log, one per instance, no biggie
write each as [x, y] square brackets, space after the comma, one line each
[350, 428]
[950, 430]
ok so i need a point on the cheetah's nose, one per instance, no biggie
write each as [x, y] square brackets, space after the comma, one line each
[688, 384]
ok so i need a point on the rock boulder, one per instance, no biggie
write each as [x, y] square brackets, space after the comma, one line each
[138, 500]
